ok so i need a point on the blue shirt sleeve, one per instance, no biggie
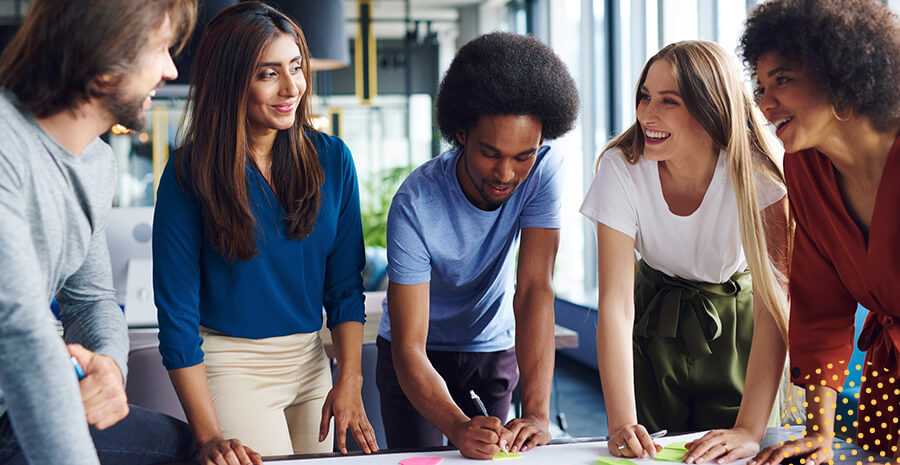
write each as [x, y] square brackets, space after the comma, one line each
[177, 248]
[343, 296]
[408, 259]
[542, 209]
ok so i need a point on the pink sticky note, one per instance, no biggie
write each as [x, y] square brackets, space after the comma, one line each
[422, 461]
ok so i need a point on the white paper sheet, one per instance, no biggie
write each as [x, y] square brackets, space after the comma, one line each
[553, 454]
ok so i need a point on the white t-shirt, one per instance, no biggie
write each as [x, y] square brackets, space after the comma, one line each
[704, 246]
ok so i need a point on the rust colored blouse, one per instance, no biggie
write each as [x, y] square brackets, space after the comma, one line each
[833, 268]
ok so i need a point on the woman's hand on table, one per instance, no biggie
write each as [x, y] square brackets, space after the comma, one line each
[344, 403]
[722, 446]
[636, 441]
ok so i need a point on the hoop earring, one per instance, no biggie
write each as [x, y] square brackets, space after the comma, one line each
[833, 112]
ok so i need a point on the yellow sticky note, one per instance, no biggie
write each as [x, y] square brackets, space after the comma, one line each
[673, 452]
[500, 455]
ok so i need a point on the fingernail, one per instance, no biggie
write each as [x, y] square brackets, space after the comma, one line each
[720, 461]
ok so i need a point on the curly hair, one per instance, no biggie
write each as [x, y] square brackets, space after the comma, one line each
[852, 46]
[506, 74]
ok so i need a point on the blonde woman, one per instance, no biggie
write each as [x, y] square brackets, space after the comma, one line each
[695, 187]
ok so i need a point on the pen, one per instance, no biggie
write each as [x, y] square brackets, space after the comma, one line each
[78, 370]
[655, 435]
[480, 405]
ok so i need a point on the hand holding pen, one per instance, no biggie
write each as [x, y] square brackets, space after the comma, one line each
[480, 437]
[484, 412]
[633, 440]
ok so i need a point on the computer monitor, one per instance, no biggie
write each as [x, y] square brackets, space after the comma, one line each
[129, 232]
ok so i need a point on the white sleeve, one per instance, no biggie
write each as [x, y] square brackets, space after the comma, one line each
[611, 198]
[768, 190]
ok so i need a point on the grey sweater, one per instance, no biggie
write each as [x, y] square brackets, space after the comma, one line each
[53, 210]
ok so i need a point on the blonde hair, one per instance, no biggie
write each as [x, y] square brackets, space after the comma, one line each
[714, 94]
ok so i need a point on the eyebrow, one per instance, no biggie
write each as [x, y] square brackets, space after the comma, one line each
[778, 70]
[524, 152]
[664, 92]
[275, 63]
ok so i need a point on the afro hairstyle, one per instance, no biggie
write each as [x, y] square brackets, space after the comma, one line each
[506, 74]
[852, 47]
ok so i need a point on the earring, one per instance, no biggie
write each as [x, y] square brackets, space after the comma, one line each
[833, 112]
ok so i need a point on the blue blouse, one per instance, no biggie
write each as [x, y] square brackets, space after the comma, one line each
[280, 291]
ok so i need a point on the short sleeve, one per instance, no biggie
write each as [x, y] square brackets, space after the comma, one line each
[542, 209]
[408, 259]
[610, 198]
[768, 190]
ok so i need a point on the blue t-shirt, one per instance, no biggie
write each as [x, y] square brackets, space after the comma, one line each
[436, 235]
[280, 291]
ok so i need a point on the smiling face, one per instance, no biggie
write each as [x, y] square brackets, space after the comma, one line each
[791, 98]
[276, 87]
[153, 66]
[670, 131]
[498, 153]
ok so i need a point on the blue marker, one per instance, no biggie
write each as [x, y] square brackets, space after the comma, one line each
[78, 370]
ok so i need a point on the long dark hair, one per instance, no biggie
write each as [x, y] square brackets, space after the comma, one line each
[53, 62]
[211, 164]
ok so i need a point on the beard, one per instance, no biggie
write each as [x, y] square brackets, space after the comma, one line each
[493, 202]
[126, 110]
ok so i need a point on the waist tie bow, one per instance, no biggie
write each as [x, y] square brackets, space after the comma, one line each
[879, 337]
[684, 309]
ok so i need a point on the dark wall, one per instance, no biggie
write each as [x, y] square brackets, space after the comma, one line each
[392, 60]
[207, 9]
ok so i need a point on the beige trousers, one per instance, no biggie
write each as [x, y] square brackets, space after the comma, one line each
[268, 393]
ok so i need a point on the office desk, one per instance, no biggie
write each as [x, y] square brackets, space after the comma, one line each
[563, 451]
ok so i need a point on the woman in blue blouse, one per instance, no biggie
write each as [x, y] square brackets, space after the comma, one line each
[257, 228]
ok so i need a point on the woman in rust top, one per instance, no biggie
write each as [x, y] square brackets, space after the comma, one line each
[827, 74]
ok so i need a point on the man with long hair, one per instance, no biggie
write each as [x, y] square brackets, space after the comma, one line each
[457, 302]
[72, 71]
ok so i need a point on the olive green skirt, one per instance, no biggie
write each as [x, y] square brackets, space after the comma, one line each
[691, 347]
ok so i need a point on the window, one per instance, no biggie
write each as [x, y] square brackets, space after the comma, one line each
[605, 44]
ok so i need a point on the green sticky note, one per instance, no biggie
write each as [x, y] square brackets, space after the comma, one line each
[613, 461]
[500, 455]
[673, 452]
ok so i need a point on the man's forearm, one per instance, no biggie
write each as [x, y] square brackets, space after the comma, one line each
[425, 389]
[535, 349]
[89, 311]
[100, 327]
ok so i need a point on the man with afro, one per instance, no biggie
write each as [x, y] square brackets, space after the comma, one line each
[462, 315]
